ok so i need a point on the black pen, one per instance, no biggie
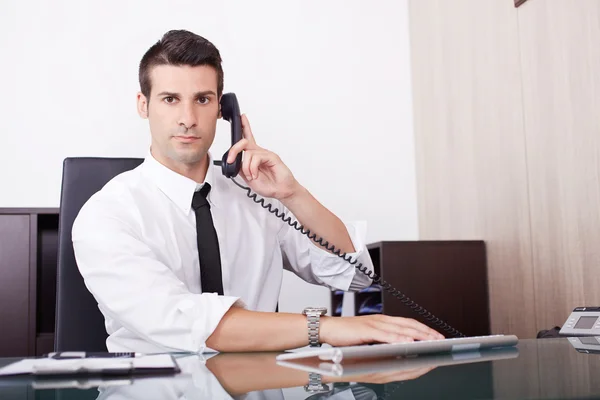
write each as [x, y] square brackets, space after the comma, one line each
[64, 355]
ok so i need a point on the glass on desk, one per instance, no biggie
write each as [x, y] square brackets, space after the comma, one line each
[544, 368]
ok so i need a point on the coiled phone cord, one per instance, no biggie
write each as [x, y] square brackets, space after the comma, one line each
[371, 274]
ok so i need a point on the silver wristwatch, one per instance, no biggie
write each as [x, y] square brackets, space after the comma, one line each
[313, 316]
[314, 384]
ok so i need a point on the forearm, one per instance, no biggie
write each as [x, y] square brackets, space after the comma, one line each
[243, 330]
[315, 217]
[244, 373]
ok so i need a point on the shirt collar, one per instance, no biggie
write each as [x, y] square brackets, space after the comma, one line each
[178, 188]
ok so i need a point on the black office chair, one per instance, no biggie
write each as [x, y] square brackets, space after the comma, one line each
[79, 322]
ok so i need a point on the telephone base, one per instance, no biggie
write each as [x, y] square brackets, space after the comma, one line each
[583, 321]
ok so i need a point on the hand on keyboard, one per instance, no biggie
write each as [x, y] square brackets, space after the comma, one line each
[348, 331]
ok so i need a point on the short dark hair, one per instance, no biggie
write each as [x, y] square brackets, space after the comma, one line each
[180, 47]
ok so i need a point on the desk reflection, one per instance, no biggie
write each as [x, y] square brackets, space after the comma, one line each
[260, 376]
[248, 376]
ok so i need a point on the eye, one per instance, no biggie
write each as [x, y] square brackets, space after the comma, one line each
[203, 100]
[169, 100]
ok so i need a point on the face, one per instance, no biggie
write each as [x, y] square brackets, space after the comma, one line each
[182, 110]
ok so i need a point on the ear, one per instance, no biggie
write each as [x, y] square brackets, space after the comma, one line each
[142, 105]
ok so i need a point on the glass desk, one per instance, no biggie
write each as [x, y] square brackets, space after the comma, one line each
[535, 369]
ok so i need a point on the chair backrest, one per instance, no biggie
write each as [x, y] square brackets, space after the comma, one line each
[79, 322]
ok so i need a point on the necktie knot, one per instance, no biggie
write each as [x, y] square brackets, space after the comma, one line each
[199, 199]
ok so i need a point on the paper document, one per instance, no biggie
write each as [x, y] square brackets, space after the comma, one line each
[49, 366]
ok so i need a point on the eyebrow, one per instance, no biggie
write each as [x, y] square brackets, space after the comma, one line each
[197, 94]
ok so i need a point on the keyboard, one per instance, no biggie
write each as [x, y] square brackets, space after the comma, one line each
[337, 354]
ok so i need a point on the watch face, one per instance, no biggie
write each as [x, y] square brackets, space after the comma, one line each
[316, 388]
[319, 310]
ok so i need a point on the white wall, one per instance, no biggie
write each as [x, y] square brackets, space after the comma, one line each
[325, 84]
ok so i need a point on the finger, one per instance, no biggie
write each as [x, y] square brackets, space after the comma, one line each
[248, 156]
[414, 324]
[406, 331]
[246, 130]
[235, 149]
[392, 376]
[244, 177]
[384, 336]
[256, 161]
[410, 374]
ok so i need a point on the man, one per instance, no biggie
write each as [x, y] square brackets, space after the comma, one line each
[180, 259]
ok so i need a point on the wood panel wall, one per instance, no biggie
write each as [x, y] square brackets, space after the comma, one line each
[507, 142]
[560, 58]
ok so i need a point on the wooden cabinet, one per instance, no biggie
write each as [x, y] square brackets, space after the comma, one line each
[14, 285]
[28, 260]
[447, 278]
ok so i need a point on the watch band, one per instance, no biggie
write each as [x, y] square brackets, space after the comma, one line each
[313, 329]
[315, 384]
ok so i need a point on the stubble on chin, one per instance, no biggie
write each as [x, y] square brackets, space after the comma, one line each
[187, 156]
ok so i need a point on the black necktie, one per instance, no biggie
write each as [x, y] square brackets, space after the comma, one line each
[208, 244]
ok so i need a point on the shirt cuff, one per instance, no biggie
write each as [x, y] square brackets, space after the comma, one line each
[333, 269]
[356, 230]
[204, 325]
[203, 383]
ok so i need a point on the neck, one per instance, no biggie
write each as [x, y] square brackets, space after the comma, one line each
[196, 171]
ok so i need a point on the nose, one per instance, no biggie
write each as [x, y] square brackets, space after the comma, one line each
[187, 118]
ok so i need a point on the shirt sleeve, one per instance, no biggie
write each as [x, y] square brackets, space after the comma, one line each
[314, 264]
[136, 289]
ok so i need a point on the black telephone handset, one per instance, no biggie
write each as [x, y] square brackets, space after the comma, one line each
[230, 110]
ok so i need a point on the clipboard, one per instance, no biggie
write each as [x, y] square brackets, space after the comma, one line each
[92, 367]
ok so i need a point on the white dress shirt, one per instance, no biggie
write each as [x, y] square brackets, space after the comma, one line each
[135, 246]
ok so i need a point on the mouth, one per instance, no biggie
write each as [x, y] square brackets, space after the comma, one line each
[186, 139]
